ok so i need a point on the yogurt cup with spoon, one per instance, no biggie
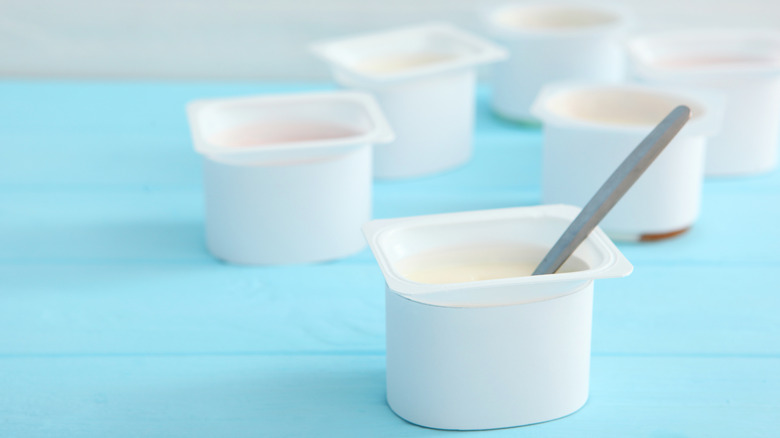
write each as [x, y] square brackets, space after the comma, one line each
[473, 340]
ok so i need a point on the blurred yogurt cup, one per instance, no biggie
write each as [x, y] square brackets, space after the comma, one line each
[551, 42]
[473, 342]
[424, 79]
[287, 178]
[589, 129]
[743, 65]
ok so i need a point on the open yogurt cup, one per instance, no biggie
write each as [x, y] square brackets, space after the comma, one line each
[741, 64]
[424, 78]
[590, 128]
[499, 349]
[287, 178]
[551, 42]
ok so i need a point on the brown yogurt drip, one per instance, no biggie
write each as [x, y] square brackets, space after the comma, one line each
[662, 236]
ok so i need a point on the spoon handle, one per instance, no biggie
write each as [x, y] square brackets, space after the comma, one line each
[616, 186]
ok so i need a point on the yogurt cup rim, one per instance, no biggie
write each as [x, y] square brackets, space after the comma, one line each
[641, 50]
[705, 123]
[484, 52]
[377, 232]
[622, 20]
[380, 132]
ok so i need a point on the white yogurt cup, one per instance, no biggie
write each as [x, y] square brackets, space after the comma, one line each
[489, 353]
[744, 65]
[551, 42]
[589, 129]
[287, 178]
[424, 79]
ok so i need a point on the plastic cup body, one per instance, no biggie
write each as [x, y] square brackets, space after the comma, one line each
[748, 139]
[551, 42]
[488, 367]
[743, 66]
[294, 213]
[666, 198]
[424, 77]
[433, 118]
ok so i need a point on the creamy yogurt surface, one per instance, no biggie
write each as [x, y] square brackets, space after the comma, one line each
[265, 133]
[400, 62]
[476, 263]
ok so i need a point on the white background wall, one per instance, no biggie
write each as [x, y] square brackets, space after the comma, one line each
[260, 39]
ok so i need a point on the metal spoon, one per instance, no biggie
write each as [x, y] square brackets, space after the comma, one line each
[616, 186]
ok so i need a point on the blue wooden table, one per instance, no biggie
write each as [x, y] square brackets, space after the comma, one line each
[116, 322]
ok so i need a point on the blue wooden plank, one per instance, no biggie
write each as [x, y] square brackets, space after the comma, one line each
[339, 307]
[249, 396]
[167, 224]
[102, 224]
[190, 308]
[154, 158]
[734, 227]
[154, 224]
[689, 310]
[42, 160]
